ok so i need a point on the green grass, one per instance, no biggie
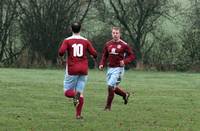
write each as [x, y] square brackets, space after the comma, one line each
[32, 100]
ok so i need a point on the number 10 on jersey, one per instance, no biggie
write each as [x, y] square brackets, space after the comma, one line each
[77, 50]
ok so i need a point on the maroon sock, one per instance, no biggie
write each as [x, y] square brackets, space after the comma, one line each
[79, 107]
[70, 93]
[110, 97]
[120, 92]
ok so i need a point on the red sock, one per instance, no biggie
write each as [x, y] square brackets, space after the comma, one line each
[79, 107]
[70, 93]
[120, 92]
[110, 97]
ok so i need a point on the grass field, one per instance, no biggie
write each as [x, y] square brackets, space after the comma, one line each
[32, 100]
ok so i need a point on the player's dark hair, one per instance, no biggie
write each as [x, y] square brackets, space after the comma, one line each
[76, 27]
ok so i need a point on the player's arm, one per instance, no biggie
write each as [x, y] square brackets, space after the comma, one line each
[103, 58]
[61, 52]
[61, 60]
[130, 56]
[92, 51]
[62, 48]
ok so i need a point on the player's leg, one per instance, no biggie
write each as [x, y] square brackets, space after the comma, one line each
[125, 95]
[111, 82]
[121, 92]
[109, 98]
[118, 90]
[69, 84]
[80, 89]
[70, 93]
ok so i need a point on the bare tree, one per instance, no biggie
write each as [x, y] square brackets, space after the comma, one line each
[8, 15]
[44, 23]
[191, 35]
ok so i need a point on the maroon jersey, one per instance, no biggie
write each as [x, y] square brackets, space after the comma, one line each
[77, 48]
[115, 52]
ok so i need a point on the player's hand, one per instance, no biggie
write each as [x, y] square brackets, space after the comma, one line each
[101, 67]
[122, 63]
[95, 61]
[61, 61]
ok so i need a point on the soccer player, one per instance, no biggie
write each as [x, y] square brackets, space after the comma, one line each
[75, 78]
[118, 53]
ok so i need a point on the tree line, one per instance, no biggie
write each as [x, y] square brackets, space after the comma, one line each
[31, 31]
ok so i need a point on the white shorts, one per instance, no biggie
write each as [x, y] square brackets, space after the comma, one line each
[76, 82]
[114, 76]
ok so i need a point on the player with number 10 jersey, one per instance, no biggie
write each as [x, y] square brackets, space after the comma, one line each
[77, 48]
[75, 79]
